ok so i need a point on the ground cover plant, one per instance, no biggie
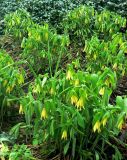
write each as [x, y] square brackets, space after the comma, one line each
[60, 86]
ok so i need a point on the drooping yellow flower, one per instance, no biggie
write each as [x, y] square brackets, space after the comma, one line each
[110, 31]
[97, 127]
[46, 36]
[21, 109]
[99, 19]
[8, 90]
[4, 83]
[102, 91]
[107, 82]
[103, 67]
[38, 38]
[37, 89]
[115, 66]
[104, 121]
[44, 114]
[80, 103]
[52, 91]
[120, 124]
[3, 149]
[64, 135]
[123, 72]
[69, 75]
[74, 99]
[76, 83]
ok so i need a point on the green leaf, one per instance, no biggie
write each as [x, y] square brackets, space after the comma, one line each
[97, 156]
[52, 128]
[66, 147]
[119, 101]
[125, 105]
[80, 120]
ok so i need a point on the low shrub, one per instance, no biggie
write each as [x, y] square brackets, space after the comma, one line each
[72, 110]
[11, 79]
[16, 24]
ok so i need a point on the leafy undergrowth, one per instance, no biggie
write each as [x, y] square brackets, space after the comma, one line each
[63, 96]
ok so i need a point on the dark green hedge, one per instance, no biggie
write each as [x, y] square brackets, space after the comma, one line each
[53, 11]
[119, 6]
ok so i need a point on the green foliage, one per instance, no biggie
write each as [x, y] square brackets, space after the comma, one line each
[16, 23]
[44, 47]
[118, 6]
[66, 106]
[41, 10]
[106, 54]
[16, 153]
[79, 22]
[84, 22]
[10, 80]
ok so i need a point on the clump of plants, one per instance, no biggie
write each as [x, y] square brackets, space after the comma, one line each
[44, 47]
[100, 54]
[73, 110]
[11, 79]
[16, 24]
[68, 107]
[17, 152]
[84, 22]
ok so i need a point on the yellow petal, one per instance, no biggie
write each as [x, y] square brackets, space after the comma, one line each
[64, 135]
[69, 75]
[52, 91]
[74, 100]
[80, 103]
[97, 127]
[8, 90]
[44, 113]
[4, 83]
[104, 121]
[76, 83]
[21, 109]
[102, 91]
[120, 125]
[115, 66]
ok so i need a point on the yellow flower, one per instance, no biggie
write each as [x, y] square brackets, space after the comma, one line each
[80, 103]
[4, 83]
[64, 135]
[74, 100]
[123, 72]
[76, 83]
[46, 36]
[37, 89]
[104, 121]
[52, 91]
[115, 66]
[8, 90]
[97, 127]
[110, 31]
[103, 67]
[69, 75]
[99, 19]
[120, 124]
[102, 91]
[107, 82]
[21, 109]
[20, 79]
[38, 38]
[44, 113]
